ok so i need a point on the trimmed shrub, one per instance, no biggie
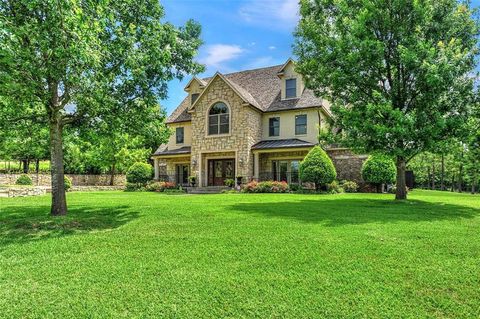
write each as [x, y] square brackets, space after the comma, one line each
[139, 173]
[317, 168]
[379, 169]
[24, 179]
[350, 186]
[266, 187]
[67, 182]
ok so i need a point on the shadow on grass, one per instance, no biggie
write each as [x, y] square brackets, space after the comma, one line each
[339, 211]
[21, 224]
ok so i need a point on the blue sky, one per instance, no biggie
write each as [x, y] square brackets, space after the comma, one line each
[237, 35]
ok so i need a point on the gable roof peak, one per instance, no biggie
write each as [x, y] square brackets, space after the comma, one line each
[244, 95]
[195, 78]
[290, 60]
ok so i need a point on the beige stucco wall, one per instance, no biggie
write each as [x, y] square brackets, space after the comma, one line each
[245, 130]
[289, 73]
[287, 124]
[187, 140]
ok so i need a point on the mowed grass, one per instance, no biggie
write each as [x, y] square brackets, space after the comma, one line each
[138, 255]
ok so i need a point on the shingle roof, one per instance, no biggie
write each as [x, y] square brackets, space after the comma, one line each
[163, 150]
[259, 87]
[289, 143]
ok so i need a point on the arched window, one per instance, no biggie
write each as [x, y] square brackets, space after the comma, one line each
[218, 119]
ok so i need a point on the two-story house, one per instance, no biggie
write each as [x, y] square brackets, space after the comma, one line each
[258, 124]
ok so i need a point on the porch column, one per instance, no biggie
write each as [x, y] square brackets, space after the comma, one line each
[200, 171]
[256, 166]
[157, 169]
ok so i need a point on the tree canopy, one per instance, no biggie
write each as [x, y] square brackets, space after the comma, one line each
[398, 72]
[79, 63]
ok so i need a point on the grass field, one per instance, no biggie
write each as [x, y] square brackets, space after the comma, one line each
[241, 256]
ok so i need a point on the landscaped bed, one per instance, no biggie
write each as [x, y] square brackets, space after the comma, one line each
[139, 254]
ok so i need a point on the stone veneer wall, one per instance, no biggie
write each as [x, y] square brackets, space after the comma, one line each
[245, 129]
[347, 164]
[77, 180]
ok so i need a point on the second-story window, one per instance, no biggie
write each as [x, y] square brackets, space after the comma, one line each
[218, 119]
[274, 126]
[301, 124]
[179, 135]
[194, 97]
[290, 88]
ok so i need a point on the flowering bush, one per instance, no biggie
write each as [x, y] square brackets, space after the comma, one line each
[266, 187]
[160, 186]
[350, 186]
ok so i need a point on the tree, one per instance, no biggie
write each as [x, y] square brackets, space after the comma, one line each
[379, 169]
[25, 142]
[396, 71]
[75, 62]
[317, 168]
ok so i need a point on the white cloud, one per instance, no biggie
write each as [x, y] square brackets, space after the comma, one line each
[217, 54]
[276, 14]
[272, 47]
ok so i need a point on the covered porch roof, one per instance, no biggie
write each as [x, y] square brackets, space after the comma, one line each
[278, 144]
[164, 151]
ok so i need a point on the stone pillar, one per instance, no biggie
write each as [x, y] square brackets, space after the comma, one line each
[256, 166]
[157, 169]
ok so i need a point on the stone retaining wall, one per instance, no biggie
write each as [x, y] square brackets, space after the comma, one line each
[22, 191]
[77, 180]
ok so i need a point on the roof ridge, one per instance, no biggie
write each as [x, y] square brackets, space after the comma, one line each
[244, 71]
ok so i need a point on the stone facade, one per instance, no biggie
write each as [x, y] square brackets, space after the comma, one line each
[77, 180]
[347, 164]
[245, 131]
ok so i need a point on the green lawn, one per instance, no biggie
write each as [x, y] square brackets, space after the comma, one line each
[239, 255]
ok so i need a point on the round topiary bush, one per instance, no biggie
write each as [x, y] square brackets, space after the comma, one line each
[139, 173]
[379, 169]
[67, 181]
[317, 168]
[24, 180]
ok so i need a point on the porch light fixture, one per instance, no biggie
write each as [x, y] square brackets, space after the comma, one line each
[194, 162]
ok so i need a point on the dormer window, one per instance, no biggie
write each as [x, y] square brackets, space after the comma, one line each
[194, 97]
[290, 88]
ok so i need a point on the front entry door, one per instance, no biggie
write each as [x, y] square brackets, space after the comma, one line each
[220, 170]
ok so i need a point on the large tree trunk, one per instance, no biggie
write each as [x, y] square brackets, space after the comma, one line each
[442, 174]
[401, 185]
[112, 174]
[25, 166]
[59, 201]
